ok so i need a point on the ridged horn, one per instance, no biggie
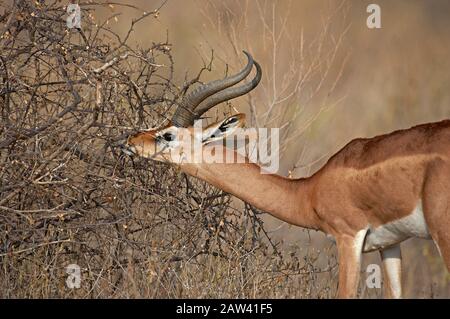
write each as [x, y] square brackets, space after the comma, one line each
[229, 93]
[185, 116]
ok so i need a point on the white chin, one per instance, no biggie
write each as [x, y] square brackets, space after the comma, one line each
[127, 151]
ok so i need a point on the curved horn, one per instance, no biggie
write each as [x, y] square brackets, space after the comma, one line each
[184, 115]
[229, 93]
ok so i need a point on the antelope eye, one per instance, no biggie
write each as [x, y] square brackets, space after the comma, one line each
[169, 137]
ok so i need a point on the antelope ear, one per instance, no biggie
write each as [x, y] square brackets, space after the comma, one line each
[220, 130]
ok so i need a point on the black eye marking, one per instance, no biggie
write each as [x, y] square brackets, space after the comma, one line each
[169, 137]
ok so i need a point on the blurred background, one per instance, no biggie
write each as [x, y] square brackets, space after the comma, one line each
[328, 79]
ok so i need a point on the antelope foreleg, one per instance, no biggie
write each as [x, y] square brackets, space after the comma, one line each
[350, 250]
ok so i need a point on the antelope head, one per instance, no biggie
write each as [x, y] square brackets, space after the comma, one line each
[161, 143]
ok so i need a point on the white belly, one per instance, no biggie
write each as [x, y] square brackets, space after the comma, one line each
[413, 225]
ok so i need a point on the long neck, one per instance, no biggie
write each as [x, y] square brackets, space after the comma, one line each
[285, 199]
